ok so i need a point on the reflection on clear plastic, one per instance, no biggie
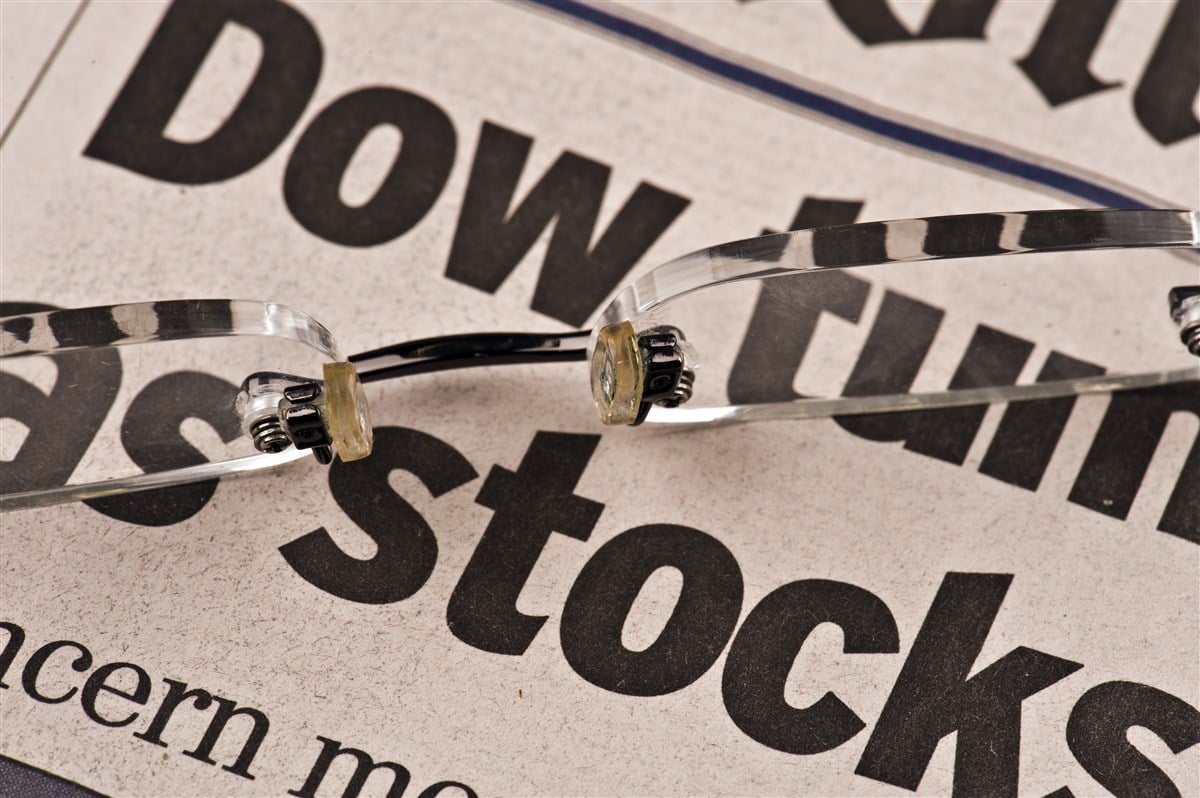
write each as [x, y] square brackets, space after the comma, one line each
[781, 329]
[119, 398]
[833, 321]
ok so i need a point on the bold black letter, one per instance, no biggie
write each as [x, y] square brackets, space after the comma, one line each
[889, 361]
[1096, 734]
[177, 693]
[131, 134]
[62, 425]
[992, 358]
[151, 437]
[16, 638]
[1058, 62]
[786, 315]
[95, 684]
[600, 600]
[529, 504]
[363, 766]
[490, 240]
[312, 183]
[34, 667]
[434, 790]
[1024, 442]
[765, 649]
[1121, 452]
[1164, 96]
[874, 23]
[933, 697]
[407, 546]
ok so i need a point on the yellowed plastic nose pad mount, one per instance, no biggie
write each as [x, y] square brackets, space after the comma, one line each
[346, 414]
[325, 417]
[618, 374]
[632, 372]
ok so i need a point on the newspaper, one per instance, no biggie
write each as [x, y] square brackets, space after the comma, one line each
[507, 598]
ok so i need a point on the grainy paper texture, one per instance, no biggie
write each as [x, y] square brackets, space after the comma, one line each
[823, 612]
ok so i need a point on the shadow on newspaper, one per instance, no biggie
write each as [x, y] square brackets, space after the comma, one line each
[17, 778]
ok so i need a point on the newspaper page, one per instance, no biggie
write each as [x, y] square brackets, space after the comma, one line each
[507, 597]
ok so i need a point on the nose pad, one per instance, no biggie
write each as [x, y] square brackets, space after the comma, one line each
[346, 412]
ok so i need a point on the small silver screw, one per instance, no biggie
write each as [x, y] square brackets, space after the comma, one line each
[1191, 339]
[1184, 301]
[682, 391]
[269, 436]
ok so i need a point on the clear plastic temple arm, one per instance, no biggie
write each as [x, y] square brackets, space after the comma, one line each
[888, 403]
[140, 482]
[146, 323]
[643, 303]
[55, 331]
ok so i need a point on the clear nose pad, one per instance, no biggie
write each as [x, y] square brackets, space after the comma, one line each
[101, 401]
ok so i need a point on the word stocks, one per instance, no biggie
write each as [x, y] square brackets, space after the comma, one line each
[933, 696]
[940, 689]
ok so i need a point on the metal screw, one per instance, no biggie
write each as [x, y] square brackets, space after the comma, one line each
[1191, 339]
[268, 435]
[1184, 301]
[683, 391]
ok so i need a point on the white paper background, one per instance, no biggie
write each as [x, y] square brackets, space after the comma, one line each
[211, 602]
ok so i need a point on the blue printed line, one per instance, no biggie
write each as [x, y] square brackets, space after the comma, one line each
[846, 114]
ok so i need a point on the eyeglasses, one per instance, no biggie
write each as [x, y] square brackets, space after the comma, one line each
[119, 398]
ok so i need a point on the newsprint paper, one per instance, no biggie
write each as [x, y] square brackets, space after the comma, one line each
[508, 598]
